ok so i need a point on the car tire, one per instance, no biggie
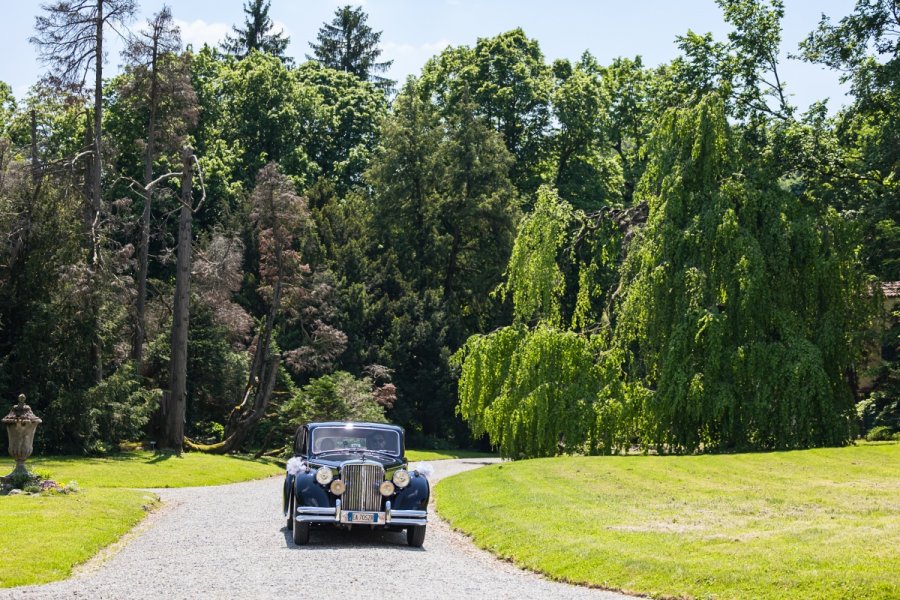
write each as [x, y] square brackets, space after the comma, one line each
[415, 536]
[292, 512]
[301, 533]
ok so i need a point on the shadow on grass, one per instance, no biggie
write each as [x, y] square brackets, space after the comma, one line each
[160, 457]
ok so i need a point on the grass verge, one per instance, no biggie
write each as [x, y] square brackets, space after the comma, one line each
[45, 536]
[148, 470]
[445, 454]
[806, 524]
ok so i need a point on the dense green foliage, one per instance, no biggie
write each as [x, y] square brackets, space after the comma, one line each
[741, 304]
[494, 210]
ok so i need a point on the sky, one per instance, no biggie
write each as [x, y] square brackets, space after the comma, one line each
[415, 30]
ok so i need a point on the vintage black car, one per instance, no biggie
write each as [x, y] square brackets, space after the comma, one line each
[354, 475]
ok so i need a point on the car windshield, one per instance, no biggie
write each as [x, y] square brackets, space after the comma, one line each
[348, 438]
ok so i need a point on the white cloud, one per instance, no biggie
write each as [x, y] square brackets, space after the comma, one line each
[200, 32]
[428, 49]
[280, 26]
[410, 58]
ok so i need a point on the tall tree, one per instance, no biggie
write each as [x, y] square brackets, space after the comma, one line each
[349, 44]
[508, 80]
[70, 41]
[742, 307]
[69, 38]
[864, 47]
[175, 399]
[258, 33]
[266, 116]
[446, 216]
[279, 217]
[158, 88]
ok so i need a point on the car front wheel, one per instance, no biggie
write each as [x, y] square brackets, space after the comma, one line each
[415, 536]
[301, 533]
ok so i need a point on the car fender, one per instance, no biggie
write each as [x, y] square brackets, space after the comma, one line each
[288, 484]
[308, 492]
[414, 496]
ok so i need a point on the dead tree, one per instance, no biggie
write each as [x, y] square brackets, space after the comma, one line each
[69, 39]
[174, 401]
[279, 216]
[156, 72]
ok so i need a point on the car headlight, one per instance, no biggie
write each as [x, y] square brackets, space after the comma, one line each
[337, 487]
[401, 478]
[324, 475]
[387, 488]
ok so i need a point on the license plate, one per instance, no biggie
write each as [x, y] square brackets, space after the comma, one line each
[362, 517]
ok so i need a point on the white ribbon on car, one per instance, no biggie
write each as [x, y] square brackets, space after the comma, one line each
[424, 469]
[295, 465]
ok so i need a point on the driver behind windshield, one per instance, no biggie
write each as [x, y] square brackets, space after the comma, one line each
[377, 442]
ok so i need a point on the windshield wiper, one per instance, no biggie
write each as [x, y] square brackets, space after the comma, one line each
[385, 452]
[354, 450]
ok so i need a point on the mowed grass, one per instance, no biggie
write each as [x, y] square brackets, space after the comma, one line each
[44, 537]
[445, 454]
[148, 470]
[805, 524]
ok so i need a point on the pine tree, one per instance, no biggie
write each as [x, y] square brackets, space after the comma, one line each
[257, 34]
[348, 44]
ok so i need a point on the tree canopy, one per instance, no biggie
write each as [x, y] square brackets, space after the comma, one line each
[543, 256]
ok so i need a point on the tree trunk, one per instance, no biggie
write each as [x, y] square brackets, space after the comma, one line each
[261, 383]
[35, 158]
[98, 112]
[174, 403]
[139, 334]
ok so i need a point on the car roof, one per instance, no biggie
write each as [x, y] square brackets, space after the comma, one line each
[354, 424]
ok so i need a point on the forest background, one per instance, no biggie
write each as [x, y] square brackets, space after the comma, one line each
[546, 257]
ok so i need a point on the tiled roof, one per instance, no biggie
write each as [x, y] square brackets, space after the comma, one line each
[891, 289]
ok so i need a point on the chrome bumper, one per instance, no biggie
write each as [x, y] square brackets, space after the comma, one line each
[317, 514]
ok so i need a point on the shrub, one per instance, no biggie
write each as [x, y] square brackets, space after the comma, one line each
[879, 434]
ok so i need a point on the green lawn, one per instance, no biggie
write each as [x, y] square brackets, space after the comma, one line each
[445, 454]
[149, 470]
[43, 537]
[805, 524]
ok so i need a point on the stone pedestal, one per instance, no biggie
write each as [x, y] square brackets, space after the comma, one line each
[21, 424]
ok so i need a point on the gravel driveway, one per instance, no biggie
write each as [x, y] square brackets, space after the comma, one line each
[230, 542]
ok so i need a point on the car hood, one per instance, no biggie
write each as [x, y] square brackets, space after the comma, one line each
[336, 460]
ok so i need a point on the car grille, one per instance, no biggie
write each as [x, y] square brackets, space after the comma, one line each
[362, 483]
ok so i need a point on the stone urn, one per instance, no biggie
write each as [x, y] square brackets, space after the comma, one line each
[21, 424]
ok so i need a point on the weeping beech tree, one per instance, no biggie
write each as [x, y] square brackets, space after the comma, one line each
[538, 387]
[742, 303]
[739, 312]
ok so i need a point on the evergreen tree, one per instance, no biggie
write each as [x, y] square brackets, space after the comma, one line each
[348, 44]
[257, 34]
